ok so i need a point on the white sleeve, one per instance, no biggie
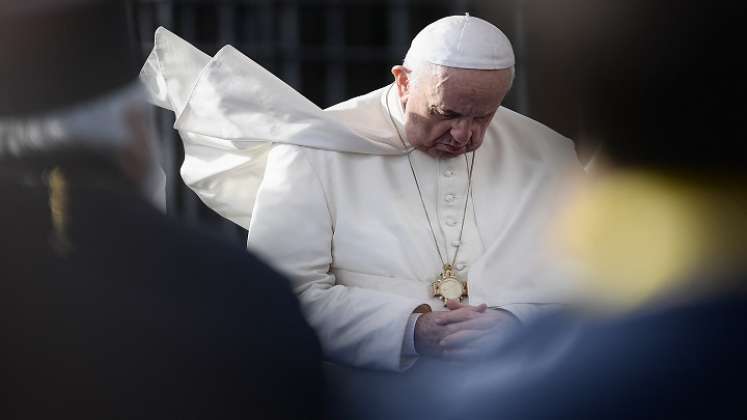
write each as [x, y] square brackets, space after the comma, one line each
[409, 354]
[292, 228]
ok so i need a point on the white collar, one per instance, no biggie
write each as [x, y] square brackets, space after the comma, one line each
[393, 105]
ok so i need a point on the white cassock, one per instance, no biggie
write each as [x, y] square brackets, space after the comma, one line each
[329, 198]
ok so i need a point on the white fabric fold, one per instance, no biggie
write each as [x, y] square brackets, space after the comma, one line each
[230, 110]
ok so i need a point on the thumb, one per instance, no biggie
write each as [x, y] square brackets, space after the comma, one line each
[453, 304]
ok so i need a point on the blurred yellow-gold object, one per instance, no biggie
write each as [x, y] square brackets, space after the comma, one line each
[58, 206]
[639, 234]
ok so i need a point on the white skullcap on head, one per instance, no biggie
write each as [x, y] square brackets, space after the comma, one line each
[464, 42]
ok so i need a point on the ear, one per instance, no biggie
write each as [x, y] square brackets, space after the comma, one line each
[402, 81]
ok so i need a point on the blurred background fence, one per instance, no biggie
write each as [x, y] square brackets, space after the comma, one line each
[329, 50]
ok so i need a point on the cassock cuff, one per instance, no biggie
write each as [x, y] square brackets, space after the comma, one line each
[409, 354]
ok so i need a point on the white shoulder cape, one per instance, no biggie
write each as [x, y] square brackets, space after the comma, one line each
[229, 110]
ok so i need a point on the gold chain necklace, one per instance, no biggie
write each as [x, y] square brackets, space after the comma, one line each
[446, 286]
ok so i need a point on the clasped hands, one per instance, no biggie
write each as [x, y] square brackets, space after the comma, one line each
[462, 332]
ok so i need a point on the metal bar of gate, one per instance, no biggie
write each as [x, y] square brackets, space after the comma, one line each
[335, 46]
[164, 12]
[399, 28]
[521, 86]
[190, 202]
[289, 35]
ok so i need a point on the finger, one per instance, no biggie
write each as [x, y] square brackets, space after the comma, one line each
[453, 304]
[461, 338]
[476, 323]
[457, 315]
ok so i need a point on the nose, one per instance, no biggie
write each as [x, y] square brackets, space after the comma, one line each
[461, 130]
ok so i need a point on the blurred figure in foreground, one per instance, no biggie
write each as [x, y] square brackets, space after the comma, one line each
[662, 230]
[108, 309]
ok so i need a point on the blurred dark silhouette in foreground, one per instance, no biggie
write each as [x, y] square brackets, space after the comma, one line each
[108, 308]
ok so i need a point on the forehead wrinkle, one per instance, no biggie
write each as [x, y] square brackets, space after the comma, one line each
[435, 92]
[464, 108]
[447, 93]
[442, 78]
[461, 103]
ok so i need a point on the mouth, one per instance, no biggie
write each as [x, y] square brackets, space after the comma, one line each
[455, 149]
[451, 147]
[448, 150]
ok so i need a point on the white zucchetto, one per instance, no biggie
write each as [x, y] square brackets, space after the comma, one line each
[463, 42]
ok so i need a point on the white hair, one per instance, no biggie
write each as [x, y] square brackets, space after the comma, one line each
[99, 123]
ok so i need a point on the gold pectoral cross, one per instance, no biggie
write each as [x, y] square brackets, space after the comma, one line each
[448, 287]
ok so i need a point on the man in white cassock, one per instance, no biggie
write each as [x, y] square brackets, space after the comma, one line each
[412, 220]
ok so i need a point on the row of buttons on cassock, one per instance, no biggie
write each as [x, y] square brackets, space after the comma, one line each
[449, 198]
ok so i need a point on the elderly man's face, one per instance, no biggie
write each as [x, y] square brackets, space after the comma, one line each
[448, 110]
